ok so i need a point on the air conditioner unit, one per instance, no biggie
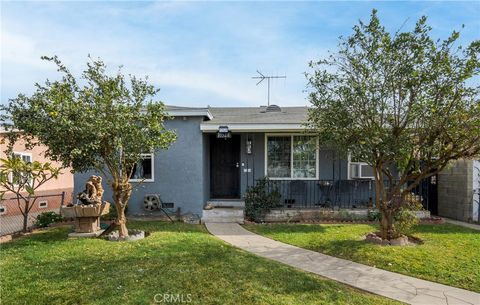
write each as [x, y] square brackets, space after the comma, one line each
[151, 202]
[361, 170]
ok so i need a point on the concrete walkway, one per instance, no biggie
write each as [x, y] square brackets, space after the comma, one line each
[463, 224]
[392, 285]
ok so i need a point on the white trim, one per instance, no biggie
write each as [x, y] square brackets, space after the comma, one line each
[152, 156]
[40, 204]
[190, 112]
[253, 127]
[291, 135]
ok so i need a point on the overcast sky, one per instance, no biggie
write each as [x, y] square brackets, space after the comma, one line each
[201, 53]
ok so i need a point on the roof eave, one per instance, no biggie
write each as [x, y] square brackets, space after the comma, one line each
[255, 127]
[190, 112]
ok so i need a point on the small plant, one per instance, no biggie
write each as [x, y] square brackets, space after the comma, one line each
[406, 217]
[259, 200]
[344, 214]
[373, 215]
[47, 218]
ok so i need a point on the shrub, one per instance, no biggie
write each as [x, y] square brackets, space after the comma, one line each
[374, 215]
[406, 217]
[259, 200]
[344, 214]
[46, 218]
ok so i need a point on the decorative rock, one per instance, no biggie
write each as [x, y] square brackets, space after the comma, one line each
[400, 241]
[132, 235]
[373, 238]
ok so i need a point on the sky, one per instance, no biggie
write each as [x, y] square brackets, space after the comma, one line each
[201, 53]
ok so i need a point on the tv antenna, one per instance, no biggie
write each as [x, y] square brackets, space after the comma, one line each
[263, 77]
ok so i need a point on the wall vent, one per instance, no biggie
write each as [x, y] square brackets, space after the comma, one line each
[273, 108]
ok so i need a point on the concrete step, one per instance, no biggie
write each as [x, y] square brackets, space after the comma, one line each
[226, 203]
[224, 215]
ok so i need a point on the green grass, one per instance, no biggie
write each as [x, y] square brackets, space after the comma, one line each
[450, 254]
[48, 268]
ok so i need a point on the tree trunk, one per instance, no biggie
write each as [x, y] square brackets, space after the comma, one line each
[25, 223]
[121, 195]
[25, 218]
[122, 222]
[386, 223]
[382, 203]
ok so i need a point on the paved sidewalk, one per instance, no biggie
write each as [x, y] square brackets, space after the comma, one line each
[463, 224]
[392, 285]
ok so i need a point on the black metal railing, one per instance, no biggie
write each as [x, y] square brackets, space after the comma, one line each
[324, 193]
[333, 193]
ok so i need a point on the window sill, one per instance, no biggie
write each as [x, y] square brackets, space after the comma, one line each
[271, 178]
[141, 180]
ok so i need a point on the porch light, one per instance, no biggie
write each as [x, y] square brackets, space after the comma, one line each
[249, 147]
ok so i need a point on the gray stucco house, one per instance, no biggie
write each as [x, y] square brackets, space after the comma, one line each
[219, 152]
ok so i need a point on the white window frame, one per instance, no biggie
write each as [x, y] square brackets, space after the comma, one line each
[360, 164]
[152, 156]
[21, 154]
[40, 204]
[291, 135]
[5, 211]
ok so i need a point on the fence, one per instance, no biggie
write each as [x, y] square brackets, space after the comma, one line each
[11, 217]
[335, 193]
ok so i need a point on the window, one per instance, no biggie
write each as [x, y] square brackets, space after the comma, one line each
[24, 156]
[16, 177]
[361, 170]
[291, 157]
[143, 170]
[43, 204]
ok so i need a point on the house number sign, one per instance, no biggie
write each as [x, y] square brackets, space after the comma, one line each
[223, 132]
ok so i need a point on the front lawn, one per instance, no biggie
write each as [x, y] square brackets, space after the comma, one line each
[450, 254]
[181, 261]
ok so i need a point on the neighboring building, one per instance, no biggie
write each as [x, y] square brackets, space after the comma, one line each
[49, 196]
[459, 191]
[220, 152]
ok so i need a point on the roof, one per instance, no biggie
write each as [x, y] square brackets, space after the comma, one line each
[246, 118]
[257, 115]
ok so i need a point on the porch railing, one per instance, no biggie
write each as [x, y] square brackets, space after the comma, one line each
[329, 193]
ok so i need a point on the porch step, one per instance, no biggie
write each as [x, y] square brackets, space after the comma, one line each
[234, 215]
[226, 203]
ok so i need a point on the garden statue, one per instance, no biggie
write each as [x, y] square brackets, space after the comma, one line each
[93, 191]
[88, 210]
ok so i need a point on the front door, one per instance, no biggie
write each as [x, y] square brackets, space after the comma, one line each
[225, 167]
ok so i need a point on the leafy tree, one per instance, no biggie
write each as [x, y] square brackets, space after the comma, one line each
[99, 122]
[22, 179]
[404, 103]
